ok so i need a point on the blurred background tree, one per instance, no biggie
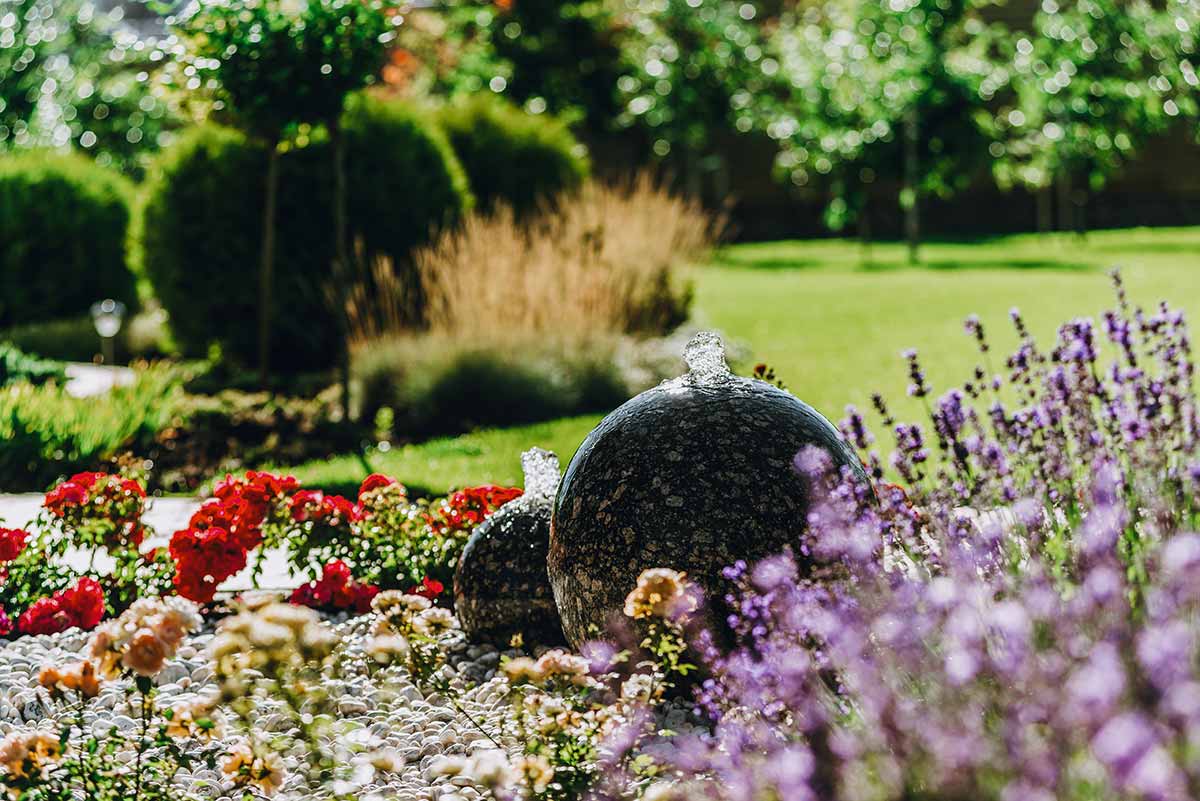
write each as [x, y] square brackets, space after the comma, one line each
[1079, 93]
[71, 75]
[557, 56]
[276, 65]
[692, 70]
[876, 97]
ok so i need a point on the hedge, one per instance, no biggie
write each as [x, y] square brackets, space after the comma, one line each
[202, 227]
[64, 223]
[512, 156]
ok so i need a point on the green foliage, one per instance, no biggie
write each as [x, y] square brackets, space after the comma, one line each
[859, 72]
[434, 388]
[1085, 88]
[512, 156]
[694, 67]
[203, 227]
[561, 56]
[46, 433]
[17, 365]
[70, 76]
[63, 228]
[277, 63]
[223, 432]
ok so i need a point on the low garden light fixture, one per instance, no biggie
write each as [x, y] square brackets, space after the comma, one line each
[107, 317]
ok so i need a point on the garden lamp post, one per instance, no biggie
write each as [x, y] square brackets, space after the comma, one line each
[107, 316]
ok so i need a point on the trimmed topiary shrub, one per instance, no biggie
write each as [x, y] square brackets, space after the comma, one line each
[202, 227]
[511, 156]
[64, 221]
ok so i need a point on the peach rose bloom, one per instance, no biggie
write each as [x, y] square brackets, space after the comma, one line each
[239, 756]
[146, 653]
[49, 677]
[171, 627]
[82, 678]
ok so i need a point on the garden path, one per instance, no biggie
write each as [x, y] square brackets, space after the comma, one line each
[165, 516]
[87, 380]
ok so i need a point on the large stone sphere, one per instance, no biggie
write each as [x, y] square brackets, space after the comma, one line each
[500, 585]
[694, 475]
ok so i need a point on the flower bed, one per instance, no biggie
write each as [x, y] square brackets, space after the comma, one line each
[1017, 620]
[350, 549]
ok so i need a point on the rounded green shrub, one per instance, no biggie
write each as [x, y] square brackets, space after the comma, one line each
[202, 227]
[512, 156]
[64, 222]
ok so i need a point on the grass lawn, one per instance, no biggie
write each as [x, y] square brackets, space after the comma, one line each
[833, 326]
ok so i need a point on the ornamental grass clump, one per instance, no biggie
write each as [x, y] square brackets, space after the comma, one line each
[1016, 621]
[603, 260]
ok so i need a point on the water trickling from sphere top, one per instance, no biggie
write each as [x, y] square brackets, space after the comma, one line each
[704, 355]
[542, 472]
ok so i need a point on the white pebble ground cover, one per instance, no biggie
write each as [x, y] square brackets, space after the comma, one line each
[393, 715]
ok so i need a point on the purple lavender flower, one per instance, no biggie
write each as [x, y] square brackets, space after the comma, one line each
[1014, 620]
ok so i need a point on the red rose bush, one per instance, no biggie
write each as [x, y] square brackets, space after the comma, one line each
[350, 549]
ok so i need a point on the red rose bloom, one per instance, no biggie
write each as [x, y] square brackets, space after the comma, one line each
[45, 616]
[79, 606]
[6, 625]
[307, 505]
[203, 559]
[86, 480]
[336, 589]
[235, 515]
[469, 507]
[63, 496]
[316, 506]
[374, 482]
[12, 543]
[429, 588]
[84, 603]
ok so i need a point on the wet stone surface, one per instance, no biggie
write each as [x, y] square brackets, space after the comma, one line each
[694, 474]
[501, 588]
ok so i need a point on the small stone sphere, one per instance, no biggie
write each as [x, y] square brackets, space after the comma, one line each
[500, 584]
[694, 474]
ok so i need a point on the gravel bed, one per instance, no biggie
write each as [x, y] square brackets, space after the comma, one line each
[419, 726]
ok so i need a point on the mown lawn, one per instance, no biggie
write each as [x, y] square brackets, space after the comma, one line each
[832, 325]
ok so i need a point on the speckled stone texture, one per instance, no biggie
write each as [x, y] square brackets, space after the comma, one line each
[500, 585]
[694, 474]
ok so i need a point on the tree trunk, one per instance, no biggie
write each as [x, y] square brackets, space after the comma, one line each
[1079, 200]
[1062, 186]
[266, 267]
[1045, 209]
[864, 235]
[721, 184]
[693, 179]
[341, 272]
[912, 177]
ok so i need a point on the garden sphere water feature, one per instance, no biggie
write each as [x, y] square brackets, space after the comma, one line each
[500, 585]
[693, 474]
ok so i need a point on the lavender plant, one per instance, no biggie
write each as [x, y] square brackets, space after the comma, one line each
[1017, 621]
